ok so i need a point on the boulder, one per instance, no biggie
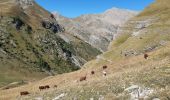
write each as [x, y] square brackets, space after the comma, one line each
[55, 27]
[46, 24]
[18, 23]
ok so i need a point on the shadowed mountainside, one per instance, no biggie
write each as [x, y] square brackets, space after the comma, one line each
[34, 45]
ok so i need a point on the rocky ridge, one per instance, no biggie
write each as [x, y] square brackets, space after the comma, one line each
[97, 29]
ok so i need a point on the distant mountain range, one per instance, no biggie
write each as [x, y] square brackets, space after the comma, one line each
[36, 43]
[97, 29]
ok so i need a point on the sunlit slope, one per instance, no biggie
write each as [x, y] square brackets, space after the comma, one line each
[152, 73]
[147, 33]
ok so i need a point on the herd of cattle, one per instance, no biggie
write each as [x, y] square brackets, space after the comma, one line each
[40, 88]
[83, 78]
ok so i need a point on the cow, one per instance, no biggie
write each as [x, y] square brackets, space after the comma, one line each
[44, 87]
[92, 72]
[105, 67]
[24, 93]
[6, 88]
[146, 56]
[55, 86]
[140, 38]
[83, 78]
[47, 86]
[126, 55]
[41, 87]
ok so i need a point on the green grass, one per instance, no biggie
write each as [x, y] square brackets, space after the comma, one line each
[29, 51]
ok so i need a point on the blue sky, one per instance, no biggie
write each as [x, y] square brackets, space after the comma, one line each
[74, 8]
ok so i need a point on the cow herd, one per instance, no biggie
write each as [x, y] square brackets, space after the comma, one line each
[45, 87]
[83, 78]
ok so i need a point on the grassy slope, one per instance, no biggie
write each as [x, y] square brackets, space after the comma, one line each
[14, 69]
[152, 73]
[123, 71]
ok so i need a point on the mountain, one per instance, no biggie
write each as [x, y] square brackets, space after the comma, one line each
[34, 45]
[97, 29]
[129, 76]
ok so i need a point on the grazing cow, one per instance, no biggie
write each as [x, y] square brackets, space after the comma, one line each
[44, 87]
[24, 93]
[47, 87]
[105, 67]
[92, 72]
[126, 55]
[41, 87]
[83, 78]
[146, 56]
[140, 38]
[5, 88]
[55, 86]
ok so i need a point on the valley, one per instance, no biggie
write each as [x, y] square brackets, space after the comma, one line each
[134, 66]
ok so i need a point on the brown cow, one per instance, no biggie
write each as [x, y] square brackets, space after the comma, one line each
[55, 86]
[105, 67]
[146, 56]
[83, 78]
[47, 87]
[41, 87]
[6, 88]
[92, 72]
[44, 87]
[24, 93]
[140, 38]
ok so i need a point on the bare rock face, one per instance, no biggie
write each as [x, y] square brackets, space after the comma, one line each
[97, 29]
[53, 26]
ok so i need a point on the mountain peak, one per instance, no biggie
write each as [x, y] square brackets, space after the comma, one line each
[99, 28]
[120, 10]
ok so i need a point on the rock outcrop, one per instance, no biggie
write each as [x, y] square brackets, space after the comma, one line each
[97, 29]
[33, 44]
[25, 3]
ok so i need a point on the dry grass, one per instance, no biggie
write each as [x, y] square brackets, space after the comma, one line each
[122, 71]
[135, 70]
